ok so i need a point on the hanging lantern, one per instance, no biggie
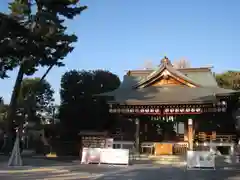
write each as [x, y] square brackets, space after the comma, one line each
[193, 110]
[151, 110]
[188, 110]
[171, 110]
[137, 110]
[176, 110]
[198, 109]
[156, 110]
[142, 110]
[147, 110]
[167, 110]
[224, 103]
[224, 109]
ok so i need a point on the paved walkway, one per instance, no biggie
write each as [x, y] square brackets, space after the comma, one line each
[46, 174]
[171, 173]
[42, 169]
[137, 172]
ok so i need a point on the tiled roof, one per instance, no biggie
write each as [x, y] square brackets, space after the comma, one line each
[166, 65]
[206, 89]
[167, 95]
[202, 76]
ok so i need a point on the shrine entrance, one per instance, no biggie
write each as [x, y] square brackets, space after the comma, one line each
[164, 135]
[168, 107]
[178, 132]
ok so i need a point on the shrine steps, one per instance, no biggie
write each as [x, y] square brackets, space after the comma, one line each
[163, 159]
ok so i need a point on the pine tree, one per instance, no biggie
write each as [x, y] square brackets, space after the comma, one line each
[33, 35]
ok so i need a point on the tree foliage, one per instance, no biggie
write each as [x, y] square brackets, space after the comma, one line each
[148, 65]
[79, 108]
[43, 101]
[229, 80]
[182, 63]
[3, 110]
[1, 100]
[34, 35]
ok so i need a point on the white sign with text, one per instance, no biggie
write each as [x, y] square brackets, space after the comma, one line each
[200, 159]
[114, 156]
[90, 155]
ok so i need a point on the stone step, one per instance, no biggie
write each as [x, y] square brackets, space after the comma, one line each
[168, 159]
[160, 162]
[169, 163]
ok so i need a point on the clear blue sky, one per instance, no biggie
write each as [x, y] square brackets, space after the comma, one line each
[122, 34]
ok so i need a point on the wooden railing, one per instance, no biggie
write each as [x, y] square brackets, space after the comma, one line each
[204, 137]
[180, 148]
[123, 144]
[180, 137]
[177, 147]
[147, 147]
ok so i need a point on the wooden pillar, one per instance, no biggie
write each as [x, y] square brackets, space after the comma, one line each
[177, 127]
[195, 127]
[185, 131]
[145, 131]
[137, 135]
[190, 134]
[213, 136]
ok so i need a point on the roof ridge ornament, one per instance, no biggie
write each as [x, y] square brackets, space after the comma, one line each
[165, 61]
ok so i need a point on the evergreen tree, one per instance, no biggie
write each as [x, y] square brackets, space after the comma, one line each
[33, 35]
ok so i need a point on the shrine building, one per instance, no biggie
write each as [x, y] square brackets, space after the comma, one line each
[188, 99]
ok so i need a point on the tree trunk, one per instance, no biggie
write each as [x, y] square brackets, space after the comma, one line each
[46, 73]
[11, 114]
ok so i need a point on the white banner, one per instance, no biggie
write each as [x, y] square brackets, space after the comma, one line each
[115, 156]
[200, 159]
[90, 155]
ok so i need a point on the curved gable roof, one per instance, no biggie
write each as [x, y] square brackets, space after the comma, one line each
[165, 65]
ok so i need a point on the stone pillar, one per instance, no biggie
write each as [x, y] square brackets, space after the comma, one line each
[190, 134]
[137, 135]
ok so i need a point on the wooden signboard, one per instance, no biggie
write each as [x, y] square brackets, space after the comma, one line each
[93, 141]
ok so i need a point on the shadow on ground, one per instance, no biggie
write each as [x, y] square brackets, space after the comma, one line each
[172, 173]
[136, 172]
[40, 161]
